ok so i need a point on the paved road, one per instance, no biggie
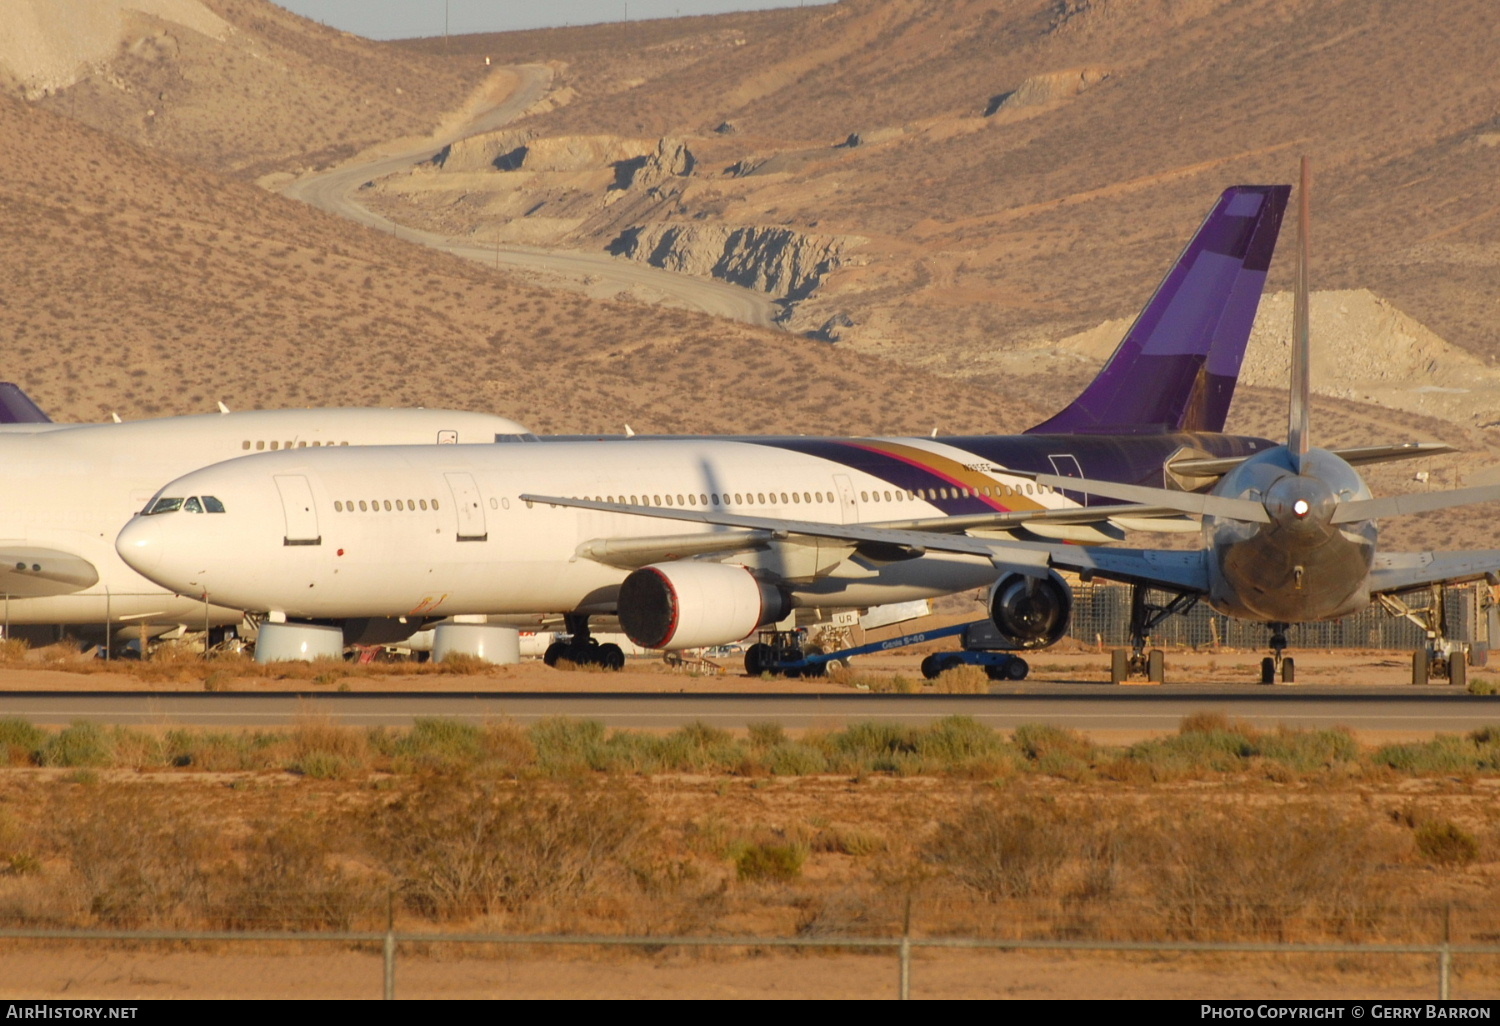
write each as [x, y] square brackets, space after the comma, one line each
[333, 191]
[1082, 707]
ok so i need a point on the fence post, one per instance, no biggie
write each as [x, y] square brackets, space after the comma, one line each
[905, 987]
[390, 947]
[1445, 956]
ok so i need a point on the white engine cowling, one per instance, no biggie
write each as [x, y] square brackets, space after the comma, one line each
[1031, 612]
[690, 605]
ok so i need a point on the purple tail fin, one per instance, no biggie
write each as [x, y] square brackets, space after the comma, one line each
[16, 407]
[1176, 368]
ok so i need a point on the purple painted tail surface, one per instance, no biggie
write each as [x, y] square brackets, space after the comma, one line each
[16, 407]
[1176, 368]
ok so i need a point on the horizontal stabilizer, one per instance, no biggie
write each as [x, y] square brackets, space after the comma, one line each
[1193, 503]
[1357, 456]
[1167, 569]
[1398, 571]
[30, 572]
[1417, 502]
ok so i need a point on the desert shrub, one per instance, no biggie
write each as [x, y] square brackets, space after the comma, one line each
[13, 649]
[1027, 849]
[568, 746]
[1446, 753]
[21, 742]
[850, 913]
[139, 860]
[507, 747]
[795, 759]
[221, 751]
[1307, 751]
[438, 745]
[1054, 750]
[766, 735]
[954, 740]
[1446, 843]
[288, 879]
[464, 847]
[1258, 872]
[82, 744]
[847, 840]
[696, 748]
[327, 751]
[963, 680]
[1480, 686]
[780, 862]
[136, 749]
[874, 747]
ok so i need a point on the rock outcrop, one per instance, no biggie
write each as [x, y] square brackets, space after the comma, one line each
[780, 262]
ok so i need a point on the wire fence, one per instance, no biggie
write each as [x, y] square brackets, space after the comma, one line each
[1101, 615]
[390, 943]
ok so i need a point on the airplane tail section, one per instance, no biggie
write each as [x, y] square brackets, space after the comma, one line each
[1176, 368]
[16, 406]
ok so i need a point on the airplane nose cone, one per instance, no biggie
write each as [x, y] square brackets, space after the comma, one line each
[140, 545]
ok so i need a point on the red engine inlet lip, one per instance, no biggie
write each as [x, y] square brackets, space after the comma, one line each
[636, 617]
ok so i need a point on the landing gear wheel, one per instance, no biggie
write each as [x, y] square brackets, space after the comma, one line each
[555, 651]
[930, 667]
[832, 666]
[1421, 666]
[755, 658]
[1119, 665]
[1156, 666]
[1288, 671]
[1458, 670]
[611, 657]
[1268, 670]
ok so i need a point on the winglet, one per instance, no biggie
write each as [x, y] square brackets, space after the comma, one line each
[16, 406]
[1175, 369]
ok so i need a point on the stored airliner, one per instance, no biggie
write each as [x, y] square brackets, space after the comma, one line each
[70, 487]
[423, 533]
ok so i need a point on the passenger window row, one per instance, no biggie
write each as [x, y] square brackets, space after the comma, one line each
[377, 505]
[262, 445]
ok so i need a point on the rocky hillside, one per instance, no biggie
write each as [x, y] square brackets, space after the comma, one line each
[239, 86]
[135, 284]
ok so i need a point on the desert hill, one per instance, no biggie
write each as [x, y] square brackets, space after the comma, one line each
[976, 171]
[134, 283]
[240, 86]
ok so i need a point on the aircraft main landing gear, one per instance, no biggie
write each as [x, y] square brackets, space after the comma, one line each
[581, 648]
[1137, 661]
[1440, 657]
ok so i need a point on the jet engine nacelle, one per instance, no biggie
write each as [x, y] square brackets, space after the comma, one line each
[690, 605]
[1031, 612]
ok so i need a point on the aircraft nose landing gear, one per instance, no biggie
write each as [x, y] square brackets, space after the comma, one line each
[1277, 664]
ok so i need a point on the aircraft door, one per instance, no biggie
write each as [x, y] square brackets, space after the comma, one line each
[447, 438]
[847, 506]
[470, 509]
[1066, 465]
[297, 506]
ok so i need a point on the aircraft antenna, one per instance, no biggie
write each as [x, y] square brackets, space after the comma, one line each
[1297, 429]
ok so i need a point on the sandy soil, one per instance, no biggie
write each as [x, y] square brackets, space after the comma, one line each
[79, 974]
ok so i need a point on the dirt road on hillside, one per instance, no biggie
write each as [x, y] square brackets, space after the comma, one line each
[596, 274]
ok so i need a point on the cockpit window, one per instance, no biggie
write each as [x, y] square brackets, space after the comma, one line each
[212, 505]
[192, 505]
[164, 506]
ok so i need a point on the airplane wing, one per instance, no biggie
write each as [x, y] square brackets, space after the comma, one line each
[1179, 571]
[1398, 571]
[1416, 502]
[880, 542]
[30, 572]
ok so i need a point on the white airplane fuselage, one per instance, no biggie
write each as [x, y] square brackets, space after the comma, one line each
[419, 531]
[70, 488]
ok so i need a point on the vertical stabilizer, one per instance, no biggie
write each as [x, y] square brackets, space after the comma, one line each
[1176, 368]
[1301, 383]
[16, 406]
